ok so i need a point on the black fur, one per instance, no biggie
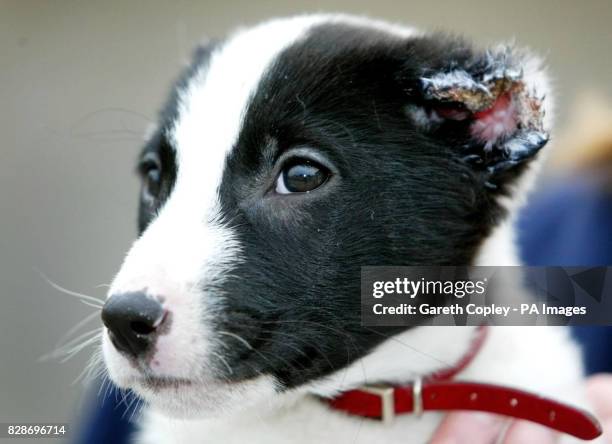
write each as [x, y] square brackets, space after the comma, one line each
[398, 196]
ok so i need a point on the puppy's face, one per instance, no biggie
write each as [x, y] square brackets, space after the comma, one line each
[288, 157]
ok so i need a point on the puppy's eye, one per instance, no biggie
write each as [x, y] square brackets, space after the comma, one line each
[150, 171]
[301, 176]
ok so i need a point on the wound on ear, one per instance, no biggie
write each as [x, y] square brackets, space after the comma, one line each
[503, 117]
[497, 122]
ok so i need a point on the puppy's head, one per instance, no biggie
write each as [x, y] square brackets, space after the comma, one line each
[287, 157]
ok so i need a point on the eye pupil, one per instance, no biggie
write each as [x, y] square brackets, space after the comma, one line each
[152, 181]
[301, 178]
[153, 176]
[150, 170]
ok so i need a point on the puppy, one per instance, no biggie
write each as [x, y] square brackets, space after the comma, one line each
[288, 156]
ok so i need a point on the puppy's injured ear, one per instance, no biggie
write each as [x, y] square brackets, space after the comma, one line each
[489, 105]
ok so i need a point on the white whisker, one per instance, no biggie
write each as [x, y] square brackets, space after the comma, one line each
[92, 370]
[222, 359]
[237, 337]
[74, 329]
[102, 286]
[67, 348]
[97, 302]
[89, 304]
[77, 348]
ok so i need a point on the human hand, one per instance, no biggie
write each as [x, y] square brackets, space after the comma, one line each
[483, 428]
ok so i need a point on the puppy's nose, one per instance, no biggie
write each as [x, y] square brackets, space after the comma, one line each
[133, 321]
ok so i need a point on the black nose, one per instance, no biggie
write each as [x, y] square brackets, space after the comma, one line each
[133, 321]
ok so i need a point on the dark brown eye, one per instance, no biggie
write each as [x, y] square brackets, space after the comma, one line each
[301, 176]
[150, 170]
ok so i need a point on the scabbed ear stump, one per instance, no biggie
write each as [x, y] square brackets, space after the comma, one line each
[489, 108]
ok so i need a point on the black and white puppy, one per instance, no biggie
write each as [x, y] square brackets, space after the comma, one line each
[288, 156]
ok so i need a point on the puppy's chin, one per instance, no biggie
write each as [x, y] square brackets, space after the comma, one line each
[206, 400]
[197, 398]
[187, 402]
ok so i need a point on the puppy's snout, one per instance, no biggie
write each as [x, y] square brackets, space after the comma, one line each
[133, 321]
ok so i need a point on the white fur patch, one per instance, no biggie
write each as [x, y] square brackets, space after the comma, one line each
[186, 248]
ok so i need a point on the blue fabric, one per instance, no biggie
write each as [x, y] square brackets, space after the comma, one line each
[108, 421]
[571, 224]
[568, 225]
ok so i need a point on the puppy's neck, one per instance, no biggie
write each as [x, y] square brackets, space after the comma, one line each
[423, 350]
[499, 249]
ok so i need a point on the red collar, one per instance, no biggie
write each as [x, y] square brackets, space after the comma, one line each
[438, 392]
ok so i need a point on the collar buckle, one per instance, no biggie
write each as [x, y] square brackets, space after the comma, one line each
[387, 401]
[417, 397]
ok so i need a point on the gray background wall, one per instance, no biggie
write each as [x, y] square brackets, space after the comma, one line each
[80, 80]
